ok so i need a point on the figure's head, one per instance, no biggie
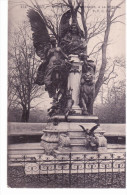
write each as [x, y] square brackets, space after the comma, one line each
[88, 77]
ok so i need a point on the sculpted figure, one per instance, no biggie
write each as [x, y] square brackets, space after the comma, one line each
[56, 67]
[87, 90]
[73, 41]
[53, 71]
[90, 136]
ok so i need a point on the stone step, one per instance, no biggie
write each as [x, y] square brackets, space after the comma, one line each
[76, 133]
[36, 148]
[76, 147]
[78, 140]
[110, 148]
[27, 148]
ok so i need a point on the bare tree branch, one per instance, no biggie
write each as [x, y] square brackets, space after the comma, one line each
[116, 8]
[22, 74]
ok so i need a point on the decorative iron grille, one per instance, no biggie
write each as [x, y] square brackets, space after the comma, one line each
[73, 170]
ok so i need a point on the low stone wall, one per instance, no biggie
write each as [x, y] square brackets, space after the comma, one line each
[37, 129]
[25, 128]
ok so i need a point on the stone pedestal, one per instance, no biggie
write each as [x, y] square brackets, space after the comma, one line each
[70, 136]
[74, 81]
[54, 138]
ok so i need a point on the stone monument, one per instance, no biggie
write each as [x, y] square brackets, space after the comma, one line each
[68, 77]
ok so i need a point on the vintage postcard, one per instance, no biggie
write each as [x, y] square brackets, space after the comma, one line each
[66, 94]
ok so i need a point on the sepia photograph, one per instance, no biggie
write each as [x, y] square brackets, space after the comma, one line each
[66, 110]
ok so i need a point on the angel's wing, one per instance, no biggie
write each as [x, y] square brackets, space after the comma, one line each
[41, 39]
[64, 23]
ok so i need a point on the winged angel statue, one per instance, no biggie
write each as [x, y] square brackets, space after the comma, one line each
[59, 61]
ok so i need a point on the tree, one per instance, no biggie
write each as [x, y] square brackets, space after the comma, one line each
[92, 27]
[113, 108]
[110, 20]
[114, 76]
[110, 103]
[22, 72]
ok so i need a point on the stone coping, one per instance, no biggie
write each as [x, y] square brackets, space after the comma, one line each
[16, 129]
[55, 131]
[76, 118]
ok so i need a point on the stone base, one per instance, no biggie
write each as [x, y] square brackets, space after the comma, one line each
[75, 118]
[52, 138]
[49, 147]
[102, 149]
[74, 135]
[63, 150]
[60, 152]
[77, 109]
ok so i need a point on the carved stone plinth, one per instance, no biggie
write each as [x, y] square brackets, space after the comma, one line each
[101, 140]
[54, 138]
[79, 134]
[49, 147]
